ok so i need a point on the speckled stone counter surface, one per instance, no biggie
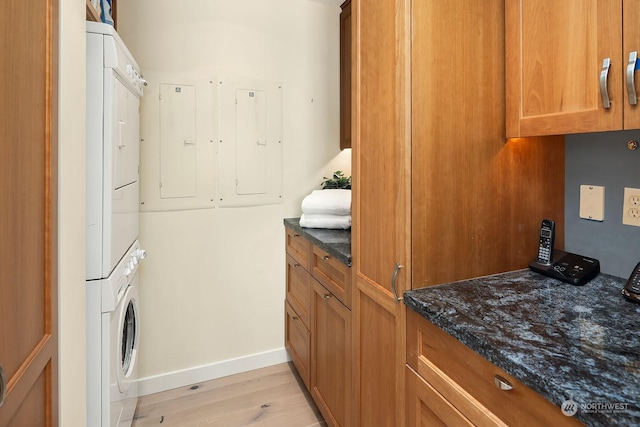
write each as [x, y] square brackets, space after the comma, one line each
[565, 342]
[335, 242]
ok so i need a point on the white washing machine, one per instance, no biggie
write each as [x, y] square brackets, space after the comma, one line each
[113, 253]
[113, 333]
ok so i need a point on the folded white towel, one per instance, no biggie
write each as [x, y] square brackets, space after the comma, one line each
[340, 222]
[328, 202]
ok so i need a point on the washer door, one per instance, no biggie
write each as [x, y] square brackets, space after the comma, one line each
[128, 337]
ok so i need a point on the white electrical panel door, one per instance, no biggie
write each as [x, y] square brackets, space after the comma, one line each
[125, 133]
[178, 148]
[251, 142]
[250, 166]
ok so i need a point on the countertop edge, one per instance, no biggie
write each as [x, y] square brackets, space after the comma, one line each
[340, 250]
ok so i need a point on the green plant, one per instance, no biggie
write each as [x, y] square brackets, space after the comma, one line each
[337, 181]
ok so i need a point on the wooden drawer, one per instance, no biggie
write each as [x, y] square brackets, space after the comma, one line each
[298, 342]
[426, 407]
[299, 289]
[333, 274]
[298, 247]
[467, 380]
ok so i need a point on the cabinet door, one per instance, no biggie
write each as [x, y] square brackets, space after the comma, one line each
[631, 43]
[554, 59]
[331, 357]
[428, 408]
[298, 342]
[345, 75]
[381, 222]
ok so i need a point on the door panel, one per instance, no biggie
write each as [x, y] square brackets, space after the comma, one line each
[381, 208]
[28, 221]
[555, 51]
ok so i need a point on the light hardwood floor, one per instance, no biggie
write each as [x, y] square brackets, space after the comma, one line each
[272, 396]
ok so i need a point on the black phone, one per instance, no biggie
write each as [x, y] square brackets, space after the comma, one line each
[632, 288]
[565, 266]
[547, 239]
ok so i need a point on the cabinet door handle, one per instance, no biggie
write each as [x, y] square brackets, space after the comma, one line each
[326, 296]
[294, 317]
[326, 257]
[631, 72]
[502, 383]
[3, 385]
[394, 277]
[604, 77]
[295, 264]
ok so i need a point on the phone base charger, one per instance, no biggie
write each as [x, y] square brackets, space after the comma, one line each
[568, 267]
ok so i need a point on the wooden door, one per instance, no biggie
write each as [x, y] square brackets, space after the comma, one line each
[28, 212]
[381, 222]
[555, 52]
[331, 367]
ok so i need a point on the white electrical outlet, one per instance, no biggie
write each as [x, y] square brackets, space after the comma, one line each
[631, 207]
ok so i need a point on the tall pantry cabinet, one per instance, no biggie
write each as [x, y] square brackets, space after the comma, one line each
[439, 194]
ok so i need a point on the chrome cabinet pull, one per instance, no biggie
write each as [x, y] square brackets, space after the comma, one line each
[394, 277]
[295, 264]
[604, 77]
[326, 296]
[326, 257]
[3, 385]
[631, 72]
[502, 383]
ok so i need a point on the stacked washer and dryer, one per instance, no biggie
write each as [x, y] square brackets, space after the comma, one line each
[113, 252]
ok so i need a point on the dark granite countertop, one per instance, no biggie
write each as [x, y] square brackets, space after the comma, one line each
[565, 342]
[335, 242]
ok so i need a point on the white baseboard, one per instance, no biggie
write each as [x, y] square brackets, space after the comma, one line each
[198, 374]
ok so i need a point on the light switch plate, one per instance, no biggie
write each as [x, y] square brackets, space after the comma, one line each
[592, 202]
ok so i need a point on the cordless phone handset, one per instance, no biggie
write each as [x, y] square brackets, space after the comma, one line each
[547, 239]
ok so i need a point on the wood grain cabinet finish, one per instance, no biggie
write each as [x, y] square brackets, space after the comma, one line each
[437, 188]
[298, 303]
[332, 274]
[468, 382]
[298, 247]
[298, 342]
[331, 357]
[318, 327]
[555, 53]
[345, 75]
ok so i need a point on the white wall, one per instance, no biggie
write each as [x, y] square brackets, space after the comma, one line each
[212, 287]
[71, 275]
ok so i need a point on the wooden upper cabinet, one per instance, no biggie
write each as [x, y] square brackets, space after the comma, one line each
[345, 75]
[554, 65]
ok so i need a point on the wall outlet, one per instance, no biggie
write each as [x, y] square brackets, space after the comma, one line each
[631, 207]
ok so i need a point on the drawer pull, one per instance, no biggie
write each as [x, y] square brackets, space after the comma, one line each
[295, 236]
[502, 383]
[294, 317]
[326, 257]
[295, 264]
[326, 296]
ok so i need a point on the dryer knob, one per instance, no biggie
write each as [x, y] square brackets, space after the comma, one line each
[140, 254]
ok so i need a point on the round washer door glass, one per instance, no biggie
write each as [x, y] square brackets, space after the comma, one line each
[128, 339]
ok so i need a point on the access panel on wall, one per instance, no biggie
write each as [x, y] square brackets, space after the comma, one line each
[249, 143]
[177, 141]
